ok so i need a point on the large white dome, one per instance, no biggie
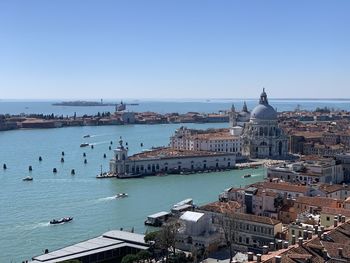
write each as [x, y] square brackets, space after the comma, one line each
[263, 111]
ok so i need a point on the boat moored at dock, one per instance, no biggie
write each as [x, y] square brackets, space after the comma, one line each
[158, 219]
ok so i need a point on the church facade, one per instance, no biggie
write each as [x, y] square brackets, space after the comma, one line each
[262, 137]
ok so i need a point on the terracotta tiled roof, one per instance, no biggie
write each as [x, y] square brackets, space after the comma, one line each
[257, 219]
[336, 211]
[327, 188]
[285, 187]
[222, 207]
[317, 201]
[164, 153]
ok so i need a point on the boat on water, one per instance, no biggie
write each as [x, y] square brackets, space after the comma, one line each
[84, 144]
[247, 175]
[61, 221]
[121, 195]
[87, 136]
[28, 178]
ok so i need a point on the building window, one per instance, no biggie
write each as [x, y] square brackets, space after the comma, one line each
[327, 218]
[247, 240]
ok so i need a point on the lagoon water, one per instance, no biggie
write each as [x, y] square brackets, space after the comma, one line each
[46, 107]
[27, 207]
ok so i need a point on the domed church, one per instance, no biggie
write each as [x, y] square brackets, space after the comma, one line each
[262, 138]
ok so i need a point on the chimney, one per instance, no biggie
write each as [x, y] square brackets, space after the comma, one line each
[293, 239]
[325, 254]
[278, 259]
[316, 228]
[309, 234]
[265, 250]
[258, 258]
[250, 256]
[279, 244]
[300, 241]
[340, 252]
[271, 246]
[343, 219]
[305, 234]
[319, 233]
[285, 244]
[335, 221]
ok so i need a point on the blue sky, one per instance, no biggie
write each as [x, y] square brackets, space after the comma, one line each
[73, 49]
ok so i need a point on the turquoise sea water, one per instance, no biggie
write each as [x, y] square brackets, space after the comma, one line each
[27, 207]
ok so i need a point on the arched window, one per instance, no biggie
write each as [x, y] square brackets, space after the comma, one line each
[266, 131]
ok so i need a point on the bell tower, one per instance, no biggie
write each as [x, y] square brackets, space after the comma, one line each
[232, 116]
[121, 155]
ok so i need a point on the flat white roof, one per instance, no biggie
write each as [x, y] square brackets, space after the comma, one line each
[125, 236]
[108, 241]
[160, 214]
[191, 216]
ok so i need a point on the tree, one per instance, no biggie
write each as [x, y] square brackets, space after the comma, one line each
[166, 237]
[144, 255]
[130, 259]
[151, 236]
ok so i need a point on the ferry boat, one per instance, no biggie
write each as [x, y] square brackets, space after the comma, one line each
[28, 178]
[121, 195]
[61, 221]
[84, 144]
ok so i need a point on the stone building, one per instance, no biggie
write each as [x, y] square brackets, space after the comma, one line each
[167, 160]
[262, 137]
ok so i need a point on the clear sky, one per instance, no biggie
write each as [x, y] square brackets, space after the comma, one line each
[72, 49]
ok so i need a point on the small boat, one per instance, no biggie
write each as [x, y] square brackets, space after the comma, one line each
[247, 175]
[84, 144]
[86, 136]
[61, 221]
[28, 178]
[121, 195]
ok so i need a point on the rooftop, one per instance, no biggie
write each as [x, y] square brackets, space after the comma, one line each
[111, 240]
[191, 216]
[165, 153]
[222, 207]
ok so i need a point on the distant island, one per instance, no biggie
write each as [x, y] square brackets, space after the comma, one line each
[82, 103]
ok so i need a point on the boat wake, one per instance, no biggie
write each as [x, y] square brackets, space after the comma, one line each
[97, 143]
[101, 135]
[35, 225]
[105, 199]
[256, 175]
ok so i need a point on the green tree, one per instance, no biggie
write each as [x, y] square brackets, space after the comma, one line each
[130, 259]
[144, 255]
[151, 236]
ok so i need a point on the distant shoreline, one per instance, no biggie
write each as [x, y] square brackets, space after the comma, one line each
[82, 104]
[204, 100]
